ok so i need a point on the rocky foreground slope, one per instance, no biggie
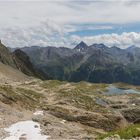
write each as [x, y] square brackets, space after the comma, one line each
[71, 110]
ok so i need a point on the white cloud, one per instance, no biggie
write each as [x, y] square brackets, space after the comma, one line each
[123, 41]
[50, 34]
[46, 33]
[27, 23]
[70, 11]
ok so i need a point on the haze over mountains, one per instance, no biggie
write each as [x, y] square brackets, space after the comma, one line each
[95, 63]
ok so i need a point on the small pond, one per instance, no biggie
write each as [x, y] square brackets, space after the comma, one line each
[111, 89]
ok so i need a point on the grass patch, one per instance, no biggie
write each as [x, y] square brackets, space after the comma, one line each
[80, 99]
[129, 132]
[50, 84]
[19, 96]
[30, 94]
[91, 88]
[8, 95]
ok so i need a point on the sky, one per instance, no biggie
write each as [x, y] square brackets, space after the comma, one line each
[67, 22]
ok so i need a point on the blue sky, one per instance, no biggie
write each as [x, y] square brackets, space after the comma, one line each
[111, 28]
[67, 22]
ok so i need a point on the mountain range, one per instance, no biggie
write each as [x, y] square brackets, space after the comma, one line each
[95, 63]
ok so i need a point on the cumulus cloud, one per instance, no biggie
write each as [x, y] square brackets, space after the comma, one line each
[50, 34]
[46, 33]
[70, 11]
[123, 40]
[27, 22]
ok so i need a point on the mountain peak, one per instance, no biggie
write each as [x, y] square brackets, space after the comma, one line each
[82, 43]
[81, 46]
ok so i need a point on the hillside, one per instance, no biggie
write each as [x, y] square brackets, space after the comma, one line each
[9, 74]
[6, 56]
[19, 60]
[23, 63]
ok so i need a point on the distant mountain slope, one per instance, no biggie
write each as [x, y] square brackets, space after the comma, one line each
[24, 64]
[95, 63]
[56, 62]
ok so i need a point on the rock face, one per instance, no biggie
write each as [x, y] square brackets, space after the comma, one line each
[132, 114]
[107, 122]
[96, 63]
[23, 63]
[81, 47]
